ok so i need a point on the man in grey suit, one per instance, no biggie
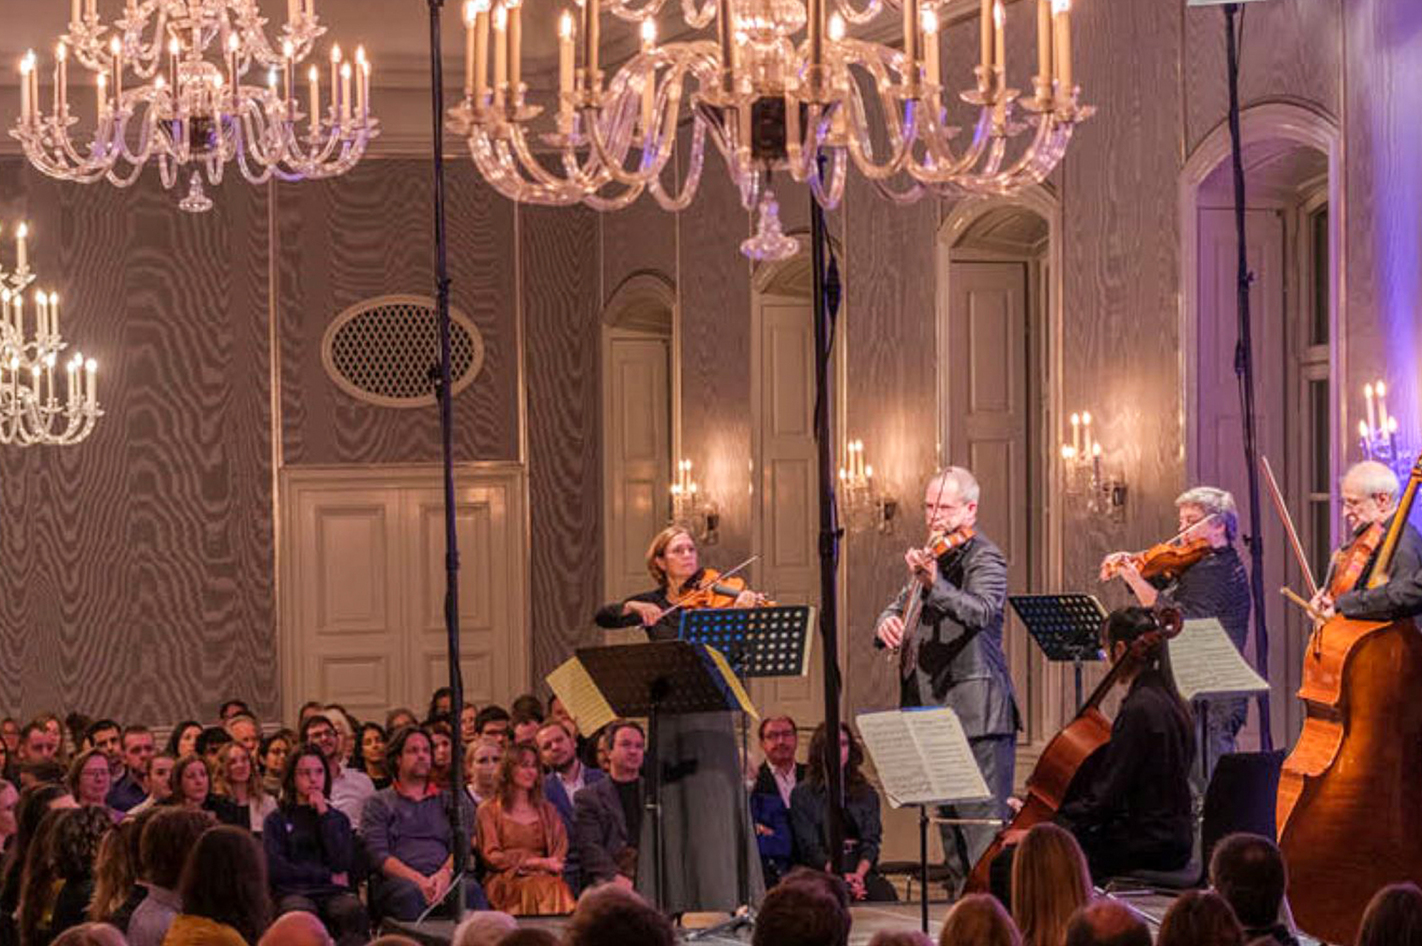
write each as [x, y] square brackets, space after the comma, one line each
[954, 656]
[607, 814]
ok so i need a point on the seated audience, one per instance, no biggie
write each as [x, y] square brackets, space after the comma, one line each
[308, 709]
[397, 719]
[485, 928]
[183, 739]
[55, 728]
[372, 755]
[770, 795]
[900, 938]
[566, 776]
[1050, 882]
[163, 846]
[523, 728]
[1103, 923]
[442, 754]
[481, 769]
[40, 772]
[441, 705]
[863, 830]
[1393, 917]
[527, 705]
[192, 786]
[613, 917]
[297, 928]
[89, 780]
[39, 881]
[117, 869]
[9, 766]
[9, 800]
[407, 836]
[106, 736]
[131, 787]
[467, 732]
[34, 804]
[159, 783]
[350, 790]
[523, 842]
[347, 726]
[310, 850]
[37, 742]
[1248, 871]
[531, 936]
[807, 908]
[608, 813]
[492, 722]
[223, 892]
[91, 934]
[1200, 918]
[74, 847]
[10, 733]
[1135, 811]
[586, 748]
[239, 782]
[246, 732]
[230, 709]
[272, 756]
[979, 919]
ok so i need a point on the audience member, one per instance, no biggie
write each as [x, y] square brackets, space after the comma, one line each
[441, 705]
[770, 795]
[88, 779]
[163, 846]
[530, 936]
[9, 799]
[1248, 871]
[523, 842]
[1102, 923]
[347, 726]
[52, 725]
[309, 709]
[350, 790]
[91, 934]
[617, 918]
[272, 755]
[586, 748]
[183, 739]
[42, 771]
[231, 709]
[34, 804]
[39, 881]
[900, 938]
[442, 753]
[297, 928]
[37, 742]
[979, 919]
[407, 835]
[192, 789]
[372, 755]
[566, 776]
[245, 732]
[807, 908]
[238, 781]
[9, 765]
[10, 733]
[485, 928]
[1050, 882]
[311, 850]
[863, 830]
[74, 847]
[523, 728]
[527, 705]
[481, 769]
[1200, 918]
[467, 731]
[608, 813]
[209, 741]
[1393, 917]
[393, 939]
[223, 891]
[492, 721]
[399, 718]
[132, 786]
[117, 869]
[159, 783]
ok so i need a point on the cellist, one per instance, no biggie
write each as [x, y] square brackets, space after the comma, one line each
[1215, 586]
[1370, 491]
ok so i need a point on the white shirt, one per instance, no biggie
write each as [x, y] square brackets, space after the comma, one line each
[784, 781]
[571, 785]
[349, 790]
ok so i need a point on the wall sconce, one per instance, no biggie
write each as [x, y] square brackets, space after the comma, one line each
[691, 508]
[1084, 478]
[863, 507]
[1377, 434]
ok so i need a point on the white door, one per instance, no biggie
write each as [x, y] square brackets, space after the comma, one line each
[786, 502]
[988, 419]
[363, 586]
[636, 454]
[1219, 448]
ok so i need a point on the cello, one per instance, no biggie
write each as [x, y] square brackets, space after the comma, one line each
[1072, 751]
[1349, 808]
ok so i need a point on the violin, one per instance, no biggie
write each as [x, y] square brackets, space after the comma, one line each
[938, 544]
[1349, 563]
[1166, 560]
[716, 591]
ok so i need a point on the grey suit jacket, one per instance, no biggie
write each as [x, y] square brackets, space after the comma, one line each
[600, 831]
[960, 663]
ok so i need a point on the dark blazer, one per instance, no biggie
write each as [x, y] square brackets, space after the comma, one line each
[770, 810]
[960, 663]
[667, 629]
[558, 797]
[600, 831]
[1401, 597]
[809, 808]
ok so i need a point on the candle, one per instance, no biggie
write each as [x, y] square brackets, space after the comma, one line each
[335, 73]
[930, 48]
[54, 313]
[362, 84]
[91, 368]
[1372, 421]
[20, 316]
[41, 304]
[346, 92]
[1044, 43]
[591, 38]
[911, 43]
[101, 83]
[1062, 18]
[116, 49]
[515, 51]
[999, 32]
[314, 79]
[287, 71]
[565, 55]
[501, 54]
[469, 17]
[725, 38]
[1075, 432]
[71, 385]
[985, 36]
[61, 77]
[1381, 388]
[91, 8]
[74, 16]
[27, 67]
[1086, 431]
[293, 11]
[22, 255]
[481, 49]
[649, 82]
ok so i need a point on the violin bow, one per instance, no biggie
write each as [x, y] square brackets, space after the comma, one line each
[1278, 499]
[724, 575]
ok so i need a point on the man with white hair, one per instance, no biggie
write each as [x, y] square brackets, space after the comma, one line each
[953, 656]
[1216, 586]
[1370, 492]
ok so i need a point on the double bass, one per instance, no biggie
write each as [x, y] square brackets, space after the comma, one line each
[1349, 808]
[1073, 751]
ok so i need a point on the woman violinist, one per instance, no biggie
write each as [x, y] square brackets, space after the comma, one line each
[1199, 572]
[698, 753]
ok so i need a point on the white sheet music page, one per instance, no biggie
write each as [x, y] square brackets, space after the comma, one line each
[922, 757]
[1206, 662]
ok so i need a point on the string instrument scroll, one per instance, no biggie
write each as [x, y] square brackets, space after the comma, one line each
[938, 545]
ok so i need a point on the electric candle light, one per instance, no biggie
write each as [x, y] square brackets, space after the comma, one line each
[22, 254]
[1381, 389]
[930, 47]
[999, 32]
[313, 77]
[515, 24]
[985, 39]
[335, 72]
[469, 17]
[362, 83]
[1044, 44]
[1061, 11]
[101, 83]
[649, 87]
[501, 54]
[476, 13]
[565, 54]
[1075, 433]
[1372, 422]
[1086, 431]
[27, 68]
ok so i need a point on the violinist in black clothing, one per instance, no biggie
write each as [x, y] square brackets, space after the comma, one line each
[1135, 810]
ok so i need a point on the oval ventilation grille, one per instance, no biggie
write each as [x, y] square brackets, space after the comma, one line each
[381, 350]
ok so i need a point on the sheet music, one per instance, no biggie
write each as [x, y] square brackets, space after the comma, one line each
[572, 684]
[1206, 663]
[922, 757]
[742, 697]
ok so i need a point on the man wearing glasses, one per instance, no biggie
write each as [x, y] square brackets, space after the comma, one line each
[349, 787]
[1370, 492]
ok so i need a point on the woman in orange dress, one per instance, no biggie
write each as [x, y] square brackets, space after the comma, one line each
[523, 841]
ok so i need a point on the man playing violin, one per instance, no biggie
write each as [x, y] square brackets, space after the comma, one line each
[954, 656]
[1370, 491]
[1215, 585]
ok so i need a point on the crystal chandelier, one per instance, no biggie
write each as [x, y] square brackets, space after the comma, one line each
[33, 408]
[168, 87]
[770, 101]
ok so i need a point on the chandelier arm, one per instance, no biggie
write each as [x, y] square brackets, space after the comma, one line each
[692, 183]
[946, 166]
[859, 17]
[829, 199]
[902, 198]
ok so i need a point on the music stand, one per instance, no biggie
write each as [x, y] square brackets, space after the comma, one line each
[1066, 627]
[650, 680]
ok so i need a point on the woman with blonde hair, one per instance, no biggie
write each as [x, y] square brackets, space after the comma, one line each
[980, 920]
[1050, 881]
[239, 781]
[523, 842]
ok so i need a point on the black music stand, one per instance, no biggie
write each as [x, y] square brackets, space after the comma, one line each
[651, 680]
[1066, 627]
